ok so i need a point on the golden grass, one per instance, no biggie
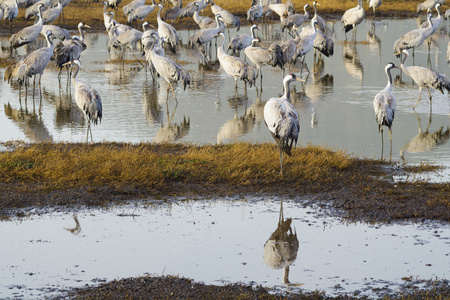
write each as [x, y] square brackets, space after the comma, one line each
[66, 165]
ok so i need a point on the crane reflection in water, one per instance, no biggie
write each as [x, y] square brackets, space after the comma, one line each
[280, 250]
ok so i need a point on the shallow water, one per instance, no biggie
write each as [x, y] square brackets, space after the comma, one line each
[335, 104]
[218, 242]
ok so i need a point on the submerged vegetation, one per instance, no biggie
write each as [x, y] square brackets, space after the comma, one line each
[45, 174]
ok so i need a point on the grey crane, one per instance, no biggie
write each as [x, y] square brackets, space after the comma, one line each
[306, 42]
[447, 14]
[202, 21]
[320, 21]
[27, 34]
[114, 4]
[32, 64]
[282, 9]
[141, 12]
[130, 7]
[289, 48]
[261, 56]
[241, 41]
[150, 38]
[436, 22]
[173, 12]
[352, 18]
[11, 12]
[295, 19]
[115, 28]
[281, 118]
[425, 78]
[58, 32]
[204, 36]
[87, 99]
[413, 38]
[384, 105]
[192, 7]
[322, 42]
[167, 32]
[33, 10]
[107, 18]
[255, 12]
[427, 5]
[70, 50]
[236, 67]
[169, 70]
[374, 4]
[228, 18]
[126, 40]
[51, 14]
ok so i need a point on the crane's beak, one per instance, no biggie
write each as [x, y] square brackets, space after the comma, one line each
[299, 79]
[67, 63]
[85, 25]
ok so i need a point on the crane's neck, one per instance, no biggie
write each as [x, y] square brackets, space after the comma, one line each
[40, 21]
[80, 29]
[306, 12]
[158, 17]
[49, 41]
[315, 9]
[403, 66]
[389, 76]
[253, 32]
[287, 91]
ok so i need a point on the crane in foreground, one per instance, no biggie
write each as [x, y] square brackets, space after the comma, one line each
[87, 99]
[384, 105]
[281, 118]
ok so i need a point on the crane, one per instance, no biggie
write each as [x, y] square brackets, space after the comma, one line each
[281, 118]
[167, 32]
[28, 34]
[320, 21]
[295, 19]
[306, 42]
[241, 41]
[384, 105]
[87, 99]
[425, 78]
[11, 12]
[129, 8]
[235, 66]
[229, 19]
[352, 18]
[141, 12]
[255, 12]
[33, 10]
[413, 38]
[32, 64]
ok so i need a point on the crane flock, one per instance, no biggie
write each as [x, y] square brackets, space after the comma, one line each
[279, 114]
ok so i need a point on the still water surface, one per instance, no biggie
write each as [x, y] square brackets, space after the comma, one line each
[223, 241]
[335, 104]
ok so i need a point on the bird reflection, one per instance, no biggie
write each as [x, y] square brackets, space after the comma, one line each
[77, 229]
[280, 250]
[153, 111]
[351, 60]
[172, 132]
[374, 41]
[237, 126]
[30, 122]
[425, 141]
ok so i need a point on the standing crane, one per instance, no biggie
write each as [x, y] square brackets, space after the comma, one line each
[87, 99]
[141, 12]
[32, 64]
[306, 43]
[167, 32]
[281, 118]
[205, 36]
[168, 69]
[235, 66]
[374, 4]
[129, 8]
[229, 19]
[320, 21]
[70, 50]
[425, 78]
[51, 14]
[435, 23]
[33, 10]
[202, 21]
[261, 56]
[413, 38]
[295, 19]
[11, 12]
[384, 105]
[28, 34]
[352, 18]
[241, 41]
[255, 12]
[427, 5]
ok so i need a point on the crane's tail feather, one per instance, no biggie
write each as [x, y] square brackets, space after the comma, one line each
[441, 82]
[347, 28]
[185, 77]
[278, 59]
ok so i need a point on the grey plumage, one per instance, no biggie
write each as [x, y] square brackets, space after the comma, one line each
[427, 5]
[141, 12]
[282, 119]
[261, 56]
[255, 12]
[353, 17]
[384, 105]
[295, 19]
[129, 8]
[322, 42]
[58, 32]
[192, 7]
[425, 78]
[202, 21]
[51, 14]
[204, 36]
[283, 9]
[173, 12]
[167, 32]
[169, 70]
[32, 64]
[27, 34]
[306, 43]
[11, 12]
[413, 38]
[236, 67]
[320, 21]
[242, 41]
[87, 99]
[33, 10]
[228, 18]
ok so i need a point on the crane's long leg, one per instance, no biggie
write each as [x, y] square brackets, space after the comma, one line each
[420, 92]
[173, 91]
[390, 142]
[382, 142]
[281, 161]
